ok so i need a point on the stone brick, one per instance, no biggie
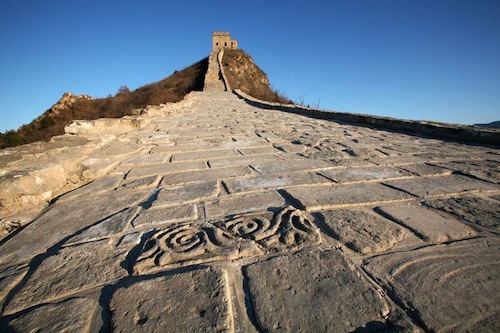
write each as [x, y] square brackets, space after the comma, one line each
[189, 193]
[309, 292]
[363, 174]
[263, 182]
[452, 287]
[243, 204]
[424, 169]
[242, 160]
[165, 168]
[204, 155]
[290, 165]
[364, 232]
[480, 211]
[71, 269]
[166, 215]
[324, 197]
[206, 175]
[189, 302]
[427, 223]
[73, 315]
[453, 184]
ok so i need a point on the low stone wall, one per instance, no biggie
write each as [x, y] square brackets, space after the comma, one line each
[106, 125]
[444, 131]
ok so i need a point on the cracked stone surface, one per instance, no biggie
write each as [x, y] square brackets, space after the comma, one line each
[215, 215]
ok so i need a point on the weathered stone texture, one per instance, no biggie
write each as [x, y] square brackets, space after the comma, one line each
[73, 315]
[315, 291]
[215, 215]
[450, 287]
[364, 232]
[188, 302]
[71, 270]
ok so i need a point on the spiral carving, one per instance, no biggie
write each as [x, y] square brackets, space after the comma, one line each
[288, 229]
[254, 228]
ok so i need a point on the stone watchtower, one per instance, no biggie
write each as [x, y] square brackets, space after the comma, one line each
[221, 39]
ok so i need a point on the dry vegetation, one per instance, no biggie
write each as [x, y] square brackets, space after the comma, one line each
[171, 89]
[242, 73]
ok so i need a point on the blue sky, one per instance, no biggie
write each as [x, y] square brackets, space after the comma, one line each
[414, 59]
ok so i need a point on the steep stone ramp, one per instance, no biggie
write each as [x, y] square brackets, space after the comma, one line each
[216, 215]
[214, 79]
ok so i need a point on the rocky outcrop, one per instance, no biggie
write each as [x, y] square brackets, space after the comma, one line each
[67, 100]
[241, 72]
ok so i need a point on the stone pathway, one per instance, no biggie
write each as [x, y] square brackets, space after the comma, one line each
[213, 78]
[213, 215]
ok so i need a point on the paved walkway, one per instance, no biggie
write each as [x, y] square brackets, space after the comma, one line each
[218, 216]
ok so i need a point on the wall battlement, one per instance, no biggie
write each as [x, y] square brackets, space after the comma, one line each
[222, 39]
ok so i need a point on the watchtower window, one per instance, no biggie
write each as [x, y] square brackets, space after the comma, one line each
[217, 43]
[225, 43]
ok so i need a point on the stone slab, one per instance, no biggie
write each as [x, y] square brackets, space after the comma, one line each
[243, 204]
[187, 193]
[165, 168]
[290, 165]
[488, 170]
[431, 186]
[363, 231]
[63, 220]
[190, 302]
[245, 143]
[312, 291]
[97, 186]
[363, 174]
[207, 174]
[9, 276]
[423, 169]
[324, 197]
[73, 315]
[276, 181]
[258, 151]
[71, 269]
[478, 210]
[401, 160]
[147, 159]
[180, 148]
[165, 215]
[242, 160]
[426, 223]
[109, 226]
[448, 287]
[141, 183]
[190, 244]
[204, 155]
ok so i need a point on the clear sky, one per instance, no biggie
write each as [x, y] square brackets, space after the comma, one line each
[414, 59]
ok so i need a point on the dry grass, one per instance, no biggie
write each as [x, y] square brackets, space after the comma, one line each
[171, 89]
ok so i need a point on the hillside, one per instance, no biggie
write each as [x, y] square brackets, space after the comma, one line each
[494, 124]
[242, 73]
[71, 107]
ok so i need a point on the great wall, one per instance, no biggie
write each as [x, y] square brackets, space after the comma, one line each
[225, 213]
